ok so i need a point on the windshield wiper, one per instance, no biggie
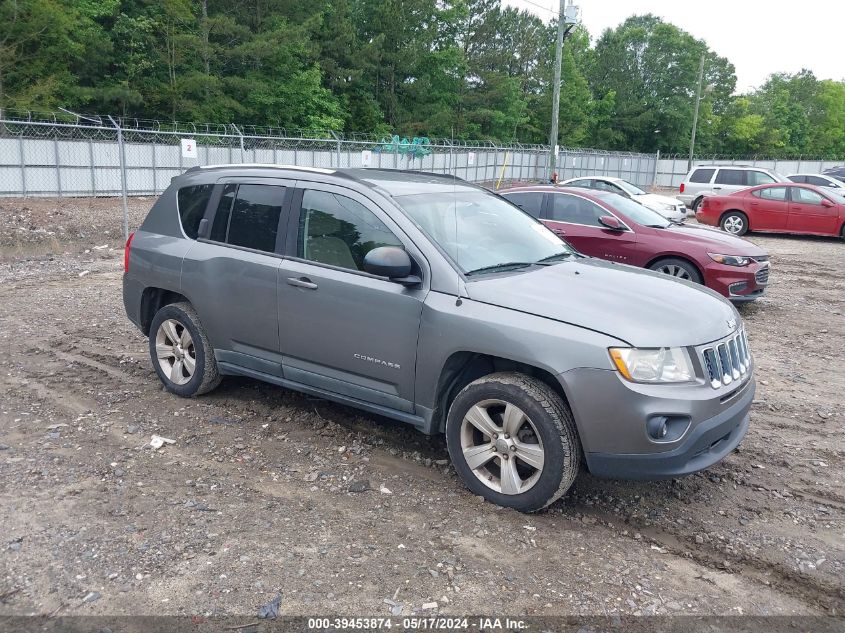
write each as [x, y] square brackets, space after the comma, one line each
[502, 266]
[552, 258]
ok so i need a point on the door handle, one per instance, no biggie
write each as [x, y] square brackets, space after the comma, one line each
[716, 188]
[302, 282]
[558, 231]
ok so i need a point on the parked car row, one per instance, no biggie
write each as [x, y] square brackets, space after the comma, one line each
[442, 305]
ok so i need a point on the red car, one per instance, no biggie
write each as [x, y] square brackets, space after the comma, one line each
[609, 226]
[779, 208]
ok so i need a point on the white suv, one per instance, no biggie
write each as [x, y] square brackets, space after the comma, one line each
[709, 180]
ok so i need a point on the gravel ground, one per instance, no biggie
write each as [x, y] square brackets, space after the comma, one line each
[266, 491]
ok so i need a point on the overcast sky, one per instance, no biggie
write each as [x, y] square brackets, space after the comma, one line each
[760, 37]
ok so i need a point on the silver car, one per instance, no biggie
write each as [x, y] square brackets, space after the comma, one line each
[820, 180]
[709, 180]
[437, 303]
[669, 208]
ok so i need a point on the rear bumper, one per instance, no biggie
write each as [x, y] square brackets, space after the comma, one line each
[709, 442]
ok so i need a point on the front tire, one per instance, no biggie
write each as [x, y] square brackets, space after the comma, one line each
[181, 354]
[735, 223]
[513, 441]
[696, 203]
[678, 268]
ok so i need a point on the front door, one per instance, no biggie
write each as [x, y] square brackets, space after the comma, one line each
[342, 329]
[808, 212]
[230, 274]
[576, 219]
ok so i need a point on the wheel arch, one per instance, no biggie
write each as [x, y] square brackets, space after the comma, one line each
[154, 299]
[464, 367]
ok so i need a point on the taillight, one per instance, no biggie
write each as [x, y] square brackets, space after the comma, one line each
[126, 250]
[682, 188]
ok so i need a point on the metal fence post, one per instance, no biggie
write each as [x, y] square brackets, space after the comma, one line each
[656, 167]
[91, 164]
[23, 166]
[58, 166]
[235, 127]
[122, 157]
[337, 138]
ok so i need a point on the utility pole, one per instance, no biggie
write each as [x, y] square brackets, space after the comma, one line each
[566, 20]
[556, 90]
[695, 115]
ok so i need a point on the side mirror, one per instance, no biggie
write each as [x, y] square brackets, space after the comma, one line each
[827, 203]
[611, 222]
[391, 262]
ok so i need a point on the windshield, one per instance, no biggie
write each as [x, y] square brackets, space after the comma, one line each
[479, 230]
[837, 197]
[629, 188]
[635, 211]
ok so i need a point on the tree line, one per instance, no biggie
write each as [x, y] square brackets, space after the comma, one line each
[468, 69]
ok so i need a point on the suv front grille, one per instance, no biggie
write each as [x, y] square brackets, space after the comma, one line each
[762, 275]
[728, 360]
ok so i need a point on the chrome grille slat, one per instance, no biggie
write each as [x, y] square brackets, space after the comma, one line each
[727, 360]
[762, 275]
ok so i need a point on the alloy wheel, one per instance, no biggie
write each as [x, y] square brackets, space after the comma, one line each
[502, 447]
[733, 224]
[674, 271]
[175, 351]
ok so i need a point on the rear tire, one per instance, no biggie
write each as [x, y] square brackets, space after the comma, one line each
[678, 268]
[513, 441]
[734, 222]
[181, 353]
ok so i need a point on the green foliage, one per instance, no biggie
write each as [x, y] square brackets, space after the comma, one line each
[438, 68]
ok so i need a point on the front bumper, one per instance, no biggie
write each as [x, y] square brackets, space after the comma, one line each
[612, 414]
[739, 284]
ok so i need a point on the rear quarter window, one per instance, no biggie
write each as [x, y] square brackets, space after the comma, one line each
[192, 202]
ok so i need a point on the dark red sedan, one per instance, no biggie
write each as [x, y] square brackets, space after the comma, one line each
[778, 208]
[609, 226]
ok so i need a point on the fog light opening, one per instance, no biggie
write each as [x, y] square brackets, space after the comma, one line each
[666, 428]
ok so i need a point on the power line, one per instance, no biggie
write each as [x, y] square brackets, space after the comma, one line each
[540, 6]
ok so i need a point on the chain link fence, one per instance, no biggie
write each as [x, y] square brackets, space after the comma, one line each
[74, 155]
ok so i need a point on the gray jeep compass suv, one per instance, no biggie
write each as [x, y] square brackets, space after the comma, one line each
[435, 302]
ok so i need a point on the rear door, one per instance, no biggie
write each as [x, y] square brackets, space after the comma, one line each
[341, 329]
[808, 213]
[768, 209]
[529, 201]
[575, 219]
[230, 274]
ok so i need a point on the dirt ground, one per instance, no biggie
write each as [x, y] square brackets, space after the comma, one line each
[267, 491]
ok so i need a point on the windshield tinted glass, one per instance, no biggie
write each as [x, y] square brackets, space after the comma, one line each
[835, 196]
[627, 186]
[477, 229]
[635, 211]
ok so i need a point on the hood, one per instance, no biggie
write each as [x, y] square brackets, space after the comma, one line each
[653, 198]
[640, 307]
[713, 240]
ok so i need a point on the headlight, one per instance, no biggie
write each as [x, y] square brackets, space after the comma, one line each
[667, 207]
[665, 364]
[730, 260]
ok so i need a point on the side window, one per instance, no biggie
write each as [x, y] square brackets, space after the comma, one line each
[192, 202]
[805, 196]
[759, 178]
[530, 201]
[731, 177]
[575, 210]
[221, 217]
[339, 231]
[584, 182]
[798, 179]
[248, 215]
[777, 194]
[702, 175]
[819, 182]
